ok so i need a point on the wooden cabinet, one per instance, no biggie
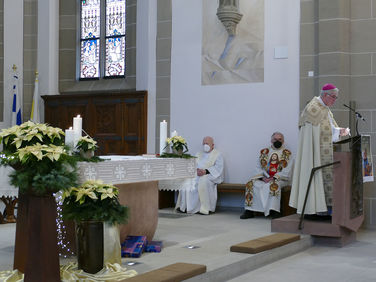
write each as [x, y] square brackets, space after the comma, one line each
[117, 121]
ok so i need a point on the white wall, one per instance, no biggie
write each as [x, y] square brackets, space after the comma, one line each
[13, 53]
[241, 117]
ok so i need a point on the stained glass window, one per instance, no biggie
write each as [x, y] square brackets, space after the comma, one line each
[90, 58]
[115, 38]
[90, 42]
[110, 47]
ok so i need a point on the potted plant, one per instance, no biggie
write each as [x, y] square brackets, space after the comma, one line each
[178, 145]
[86, 146]
[90, 205]
[42, 167]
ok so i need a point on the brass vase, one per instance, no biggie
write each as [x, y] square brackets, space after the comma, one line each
[89, 240]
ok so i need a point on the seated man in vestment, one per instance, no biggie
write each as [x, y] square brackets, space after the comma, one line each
[202, 198]
[317, 132]
[273, 167]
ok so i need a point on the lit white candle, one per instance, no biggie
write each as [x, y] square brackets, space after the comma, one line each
[70, 137]
[77, 125]
[174, 133]
[162, 137]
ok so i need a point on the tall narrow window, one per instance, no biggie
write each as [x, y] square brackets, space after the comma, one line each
[115, 38]
[90, 38]
[102, 53]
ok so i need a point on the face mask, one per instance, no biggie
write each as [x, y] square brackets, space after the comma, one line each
[277, 144]
[206, 148]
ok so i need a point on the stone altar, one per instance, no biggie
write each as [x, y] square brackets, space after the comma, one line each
[137, 179]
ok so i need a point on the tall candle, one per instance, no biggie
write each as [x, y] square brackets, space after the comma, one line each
[77, 125]
[162, 137]
[174, 133]
[70, 137]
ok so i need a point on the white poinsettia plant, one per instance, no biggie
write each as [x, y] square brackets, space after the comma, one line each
[177, 143]
[93, 189]
[94, 200]
[86, 143]
[30, 134]
[37, 153]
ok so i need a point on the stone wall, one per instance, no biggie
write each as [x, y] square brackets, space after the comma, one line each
[163, 65]
[30, 51]
[69, 23]
[1, 60]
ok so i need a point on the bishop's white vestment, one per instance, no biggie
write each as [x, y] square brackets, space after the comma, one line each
[203, 196]
[318, 130]
[263, 196]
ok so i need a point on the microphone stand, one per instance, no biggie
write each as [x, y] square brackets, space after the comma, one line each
[358, 116]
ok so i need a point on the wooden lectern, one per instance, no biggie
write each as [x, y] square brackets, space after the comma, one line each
[347, 215]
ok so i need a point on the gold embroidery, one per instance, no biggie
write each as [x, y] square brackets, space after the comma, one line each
[249, 193]
[264, 157]
[274, 189]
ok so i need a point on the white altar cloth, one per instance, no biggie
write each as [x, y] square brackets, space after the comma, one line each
[6, 189]
[187, 184]
[125, 169]
[131, 169]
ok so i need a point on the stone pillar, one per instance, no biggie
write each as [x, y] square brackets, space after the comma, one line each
[228, 14]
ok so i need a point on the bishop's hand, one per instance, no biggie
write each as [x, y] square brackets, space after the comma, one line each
[344, 131]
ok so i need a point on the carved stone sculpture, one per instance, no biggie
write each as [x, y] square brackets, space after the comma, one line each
[228, 14]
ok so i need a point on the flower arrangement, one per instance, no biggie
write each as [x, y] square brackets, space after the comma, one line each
[94, 200]
[86, 143]
[177, 144]
[39, 157]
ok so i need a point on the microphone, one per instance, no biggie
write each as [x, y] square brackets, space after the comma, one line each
[358, 115]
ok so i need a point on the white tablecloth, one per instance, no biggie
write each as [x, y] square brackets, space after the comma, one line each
[180, 173]
[5, 188]
[131, 169]
[177, 184]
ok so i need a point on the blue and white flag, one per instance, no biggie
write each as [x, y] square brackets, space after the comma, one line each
[16, 108]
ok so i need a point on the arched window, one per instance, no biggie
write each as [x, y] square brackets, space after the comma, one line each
[102, 39]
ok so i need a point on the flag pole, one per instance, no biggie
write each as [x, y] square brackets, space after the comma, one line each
[35, 115]
[16, 118]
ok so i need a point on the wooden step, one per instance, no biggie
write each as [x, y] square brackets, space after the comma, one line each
[264, 243]
[170, 273]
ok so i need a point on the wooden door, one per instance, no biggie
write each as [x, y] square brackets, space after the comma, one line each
[107, 126]
[117, 121]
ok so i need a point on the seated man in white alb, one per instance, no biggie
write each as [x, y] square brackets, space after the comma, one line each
[202, 197]
[263, 191]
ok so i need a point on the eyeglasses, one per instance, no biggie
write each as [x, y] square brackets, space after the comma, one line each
[333, 96]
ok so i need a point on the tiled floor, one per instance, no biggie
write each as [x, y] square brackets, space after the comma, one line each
[214, 234]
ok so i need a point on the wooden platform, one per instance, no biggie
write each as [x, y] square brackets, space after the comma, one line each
[264, 243]
[322, 231]
[170, 273]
